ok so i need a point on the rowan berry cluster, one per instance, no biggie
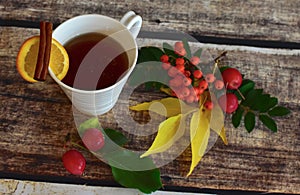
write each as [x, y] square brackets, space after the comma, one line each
[187, 80]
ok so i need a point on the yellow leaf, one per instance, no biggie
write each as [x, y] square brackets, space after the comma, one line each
[169, 131]
[166, 90]
[223, 136]
[217, 116]
[167, 107]
[199, 135]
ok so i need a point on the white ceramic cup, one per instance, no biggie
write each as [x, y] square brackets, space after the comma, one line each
[97, 102]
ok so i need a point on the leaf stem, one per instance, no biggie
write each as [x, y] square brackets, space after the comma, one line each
[243, 97]
[223, 54]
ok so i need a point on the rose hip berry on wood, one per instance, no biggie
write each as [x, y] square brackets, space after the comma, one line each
[93, 139]
[232, 78]
[228, 102]
[74, 162]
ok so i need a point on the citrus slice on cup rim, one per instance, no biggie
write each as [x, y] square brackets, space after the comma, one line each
[27, 58]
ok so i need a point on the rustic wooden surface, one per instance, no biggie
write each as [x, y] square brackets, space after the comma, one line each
[35, 118]
[255, 19]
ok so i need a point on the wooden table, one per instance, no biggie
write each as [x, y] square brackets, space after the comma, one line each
[263, 41]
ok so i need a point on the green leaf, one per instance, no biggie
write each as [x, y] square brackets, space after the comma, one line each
[169, 50]
[223, 68]
[246, 86]
[150, 54]
[268, 122]
[149, 69]
[261, 102]
[139, 173]
[198, 52]
[273, 101]
[153, 85]
[116, 136]
[252, 97]
[279, 111]
[249, 121]
[90, 123]
[146, 181]
[187, 48]
[237, 116]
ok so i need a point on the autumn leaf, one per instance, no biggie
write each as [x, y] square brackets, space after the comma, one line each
[199, 135]
[223, 136]
[167, 107]
[169, 131]
[216, 115]
[217, 118]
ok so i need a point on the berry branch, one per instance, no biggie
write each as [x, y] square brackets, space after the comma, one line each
[187, 79]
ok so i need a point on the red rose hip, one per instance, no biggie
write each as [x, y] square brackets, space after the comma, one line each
[232, 78]
[74, 162]
[93, 139]
[228, 102]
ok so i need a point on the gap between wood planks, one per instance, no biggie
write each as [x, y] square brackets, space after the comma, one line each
[167, 35]
[269, 51]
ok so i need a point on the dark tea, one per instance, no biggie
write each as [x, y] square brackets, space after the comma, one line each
[97, 61]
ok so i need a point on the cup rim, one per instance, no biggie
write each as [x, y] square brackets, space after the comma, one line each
[124, 77]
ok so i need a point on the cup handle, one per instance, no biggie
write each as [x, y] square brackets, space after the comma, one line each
[133, 23]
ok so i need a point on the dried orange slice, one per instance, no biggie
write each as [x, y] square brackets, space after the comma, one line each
[27, 58]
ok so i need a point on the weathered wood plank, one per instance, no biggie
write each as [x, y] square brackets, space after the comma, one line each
[35, 118]
[255, 19]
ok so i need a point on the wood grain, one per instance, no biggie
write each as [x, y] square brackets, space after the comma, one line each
[35, 118]
[255, 19]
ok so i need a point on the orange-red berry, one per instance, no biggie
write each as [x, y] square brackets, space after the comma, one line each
[166, 65]
[187, 81]
[208, 105]
[201, 91]
[172, 72]
[178, 45]
[187, 73]
[219, 84]
[180, 67]
[197, 74]
[164, 58]
[177, 81]
[190, 99]
[185, 91]
[210, 78]
[203, 85]
[195, 60]
[180, 51]
[179, 61]
[195, 90]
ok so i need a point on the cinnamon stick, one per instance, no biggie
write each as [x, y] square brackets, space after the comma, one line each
[47, 51]
[42, 64]
[42, 48]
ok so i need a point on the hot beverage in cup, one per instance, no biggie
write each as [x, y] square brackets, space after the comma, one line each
[102, 58]
[103, 53]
